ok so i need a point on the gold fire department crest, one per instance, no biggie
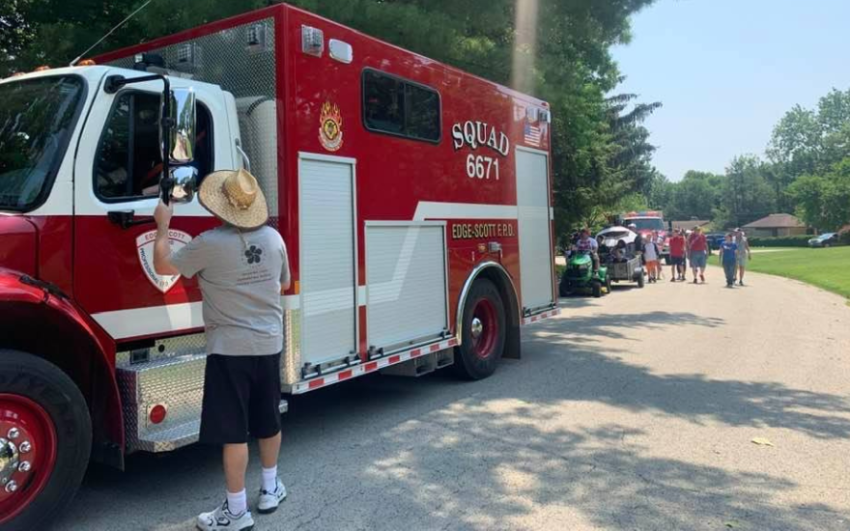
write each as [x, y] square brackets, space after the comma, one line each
[330, 130]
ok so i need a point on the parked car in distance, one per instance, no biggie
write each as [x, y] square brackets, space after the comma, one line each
[827, 239]
[715, 239]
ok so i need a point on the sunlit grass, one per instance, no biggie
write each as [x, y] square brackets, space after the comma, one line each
[826, 268]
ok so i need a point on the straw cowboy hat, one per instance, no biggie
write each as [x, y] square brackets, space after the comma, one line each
[235, 198]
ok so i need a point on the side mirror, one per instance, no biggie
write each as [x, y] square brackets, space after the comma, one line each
[181, 184]
[181, 137]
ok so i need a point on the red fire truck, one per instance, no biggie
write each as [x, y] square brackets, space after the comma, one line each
[414, 200]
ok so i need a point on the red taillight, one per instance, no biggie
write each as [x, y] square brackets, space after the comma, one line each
[157, 414]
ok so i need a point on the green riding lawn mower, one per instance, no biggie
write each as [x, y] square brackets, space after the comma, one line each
[579, 277]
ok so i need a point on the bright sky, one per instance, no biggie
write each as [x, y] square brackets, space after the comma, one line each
[727, 70]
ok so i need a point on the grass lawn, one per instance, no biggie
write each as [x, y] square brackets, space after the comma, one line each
[826, 268]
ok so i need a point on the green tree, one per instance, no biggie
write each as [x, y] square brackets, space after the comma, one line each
[746, 195]
[696, 195]
[809, 141]
[824, 201]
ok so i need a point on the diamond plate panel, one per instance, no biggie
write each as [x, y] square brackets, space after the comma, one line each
[241, 60]
[173, 376]
[290, 366]
[175, 382]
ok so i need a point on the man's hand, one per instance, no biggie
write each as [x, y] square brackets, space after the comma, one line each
[162, 215]
[161, 247]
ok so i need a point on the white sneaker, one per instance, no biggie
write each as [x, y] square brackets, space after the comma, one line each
[269, 501]
[222, 519]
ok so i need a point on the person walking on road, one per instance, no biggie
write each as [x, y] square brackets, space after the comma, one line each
[699, 253]
[659, 245]
[677, 256]
[243, 269]
[651, 252]
[744, 254]
[729, 259]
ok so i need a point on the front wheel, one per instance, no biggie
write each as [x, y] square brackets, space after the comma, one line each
[597, 288]
[483, 341]
[641, 280]
[45, 440]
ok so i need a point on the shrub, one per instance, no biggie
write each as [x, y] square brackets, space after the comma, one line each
[781, 241]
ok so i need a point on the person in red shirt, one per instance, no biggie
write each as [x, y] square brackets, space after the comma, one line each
[699, 253]
[677, 256]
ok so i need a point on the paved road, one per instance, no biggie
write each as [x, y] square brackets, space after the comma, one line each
[633, 412]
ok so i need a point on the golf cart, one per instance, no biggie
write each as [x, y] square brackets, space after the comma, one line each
[618, 254]
[579, 276]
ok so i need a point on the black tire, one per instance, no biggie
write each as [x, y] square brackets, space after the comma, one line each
[564, 287]
[45, 384]
[596, 287]
[641, 281]
[468, 364]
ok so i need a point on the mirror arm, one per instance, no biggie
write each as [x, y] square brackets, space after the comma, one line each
[245, 160]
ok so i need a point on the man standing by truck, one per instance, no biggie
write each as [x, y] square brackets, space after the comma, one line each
[243, 269]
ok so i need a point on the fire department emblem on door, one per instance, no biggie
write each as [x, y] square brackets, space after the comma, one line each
[144, 248]
[330, 127]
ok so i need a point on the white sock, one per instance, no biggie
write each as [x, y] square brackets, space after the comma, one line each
[270, 479]
[237, 502]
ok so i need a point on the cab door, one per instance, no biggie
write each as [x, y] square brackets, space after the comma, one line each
[117, 172]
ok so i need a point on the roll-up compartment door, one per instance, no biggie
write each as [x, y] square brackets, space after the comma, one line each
[535, 242]
[327, 259]
[405, 283]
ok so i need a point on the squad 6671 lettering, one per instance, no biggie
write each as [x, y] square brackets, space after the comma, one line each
[480, 134]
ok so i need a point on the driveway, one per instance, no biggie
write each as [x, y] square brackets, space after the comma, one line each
[636, 411]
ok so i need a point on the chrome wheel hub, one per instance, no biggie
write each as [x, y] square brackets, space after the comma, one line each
[10, 457]
[477, 328]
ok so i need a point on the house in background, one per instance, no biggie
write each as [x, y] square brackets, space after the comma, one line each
[775, 225]
[690, 224]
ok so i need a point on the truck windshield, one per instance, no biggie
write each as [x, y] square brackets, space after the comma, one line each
[37, 117]
[646, 223]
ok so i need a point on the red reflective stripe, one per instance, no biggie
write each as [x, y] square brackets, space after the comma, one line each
[394, 359]
[371, 366]
[435, 348]
[316, 383]
[415, 353]
[345, 375]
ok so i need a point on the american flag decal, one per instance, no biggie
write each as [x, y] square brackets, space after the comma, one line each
[532, 134]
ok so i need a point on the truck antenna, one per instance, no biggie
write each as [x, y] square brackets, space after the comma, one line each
[128, 17]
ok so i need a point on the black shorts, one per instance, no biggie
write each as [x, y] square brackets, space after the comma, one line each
[677, 260]
[241, 396]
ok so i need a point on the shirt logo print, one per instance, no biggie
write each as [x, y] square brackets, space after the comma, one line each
[254, 255]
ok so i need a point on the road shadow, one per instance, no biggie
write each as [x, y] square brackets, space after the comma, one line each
[694, 397]
[436, 453]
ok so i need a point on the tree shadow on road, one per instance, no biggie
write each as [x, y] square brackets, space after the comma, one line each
[386, 453]
[694, 397]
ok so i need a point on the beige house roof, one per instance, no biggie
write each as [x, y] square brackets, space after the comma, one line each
[776, 221]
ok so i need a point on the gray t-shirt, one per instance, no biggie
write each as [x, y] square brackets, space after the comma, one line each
[240, 274]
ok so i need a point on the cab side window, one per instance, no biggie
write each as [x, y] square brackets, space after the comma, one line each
[128, 164]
